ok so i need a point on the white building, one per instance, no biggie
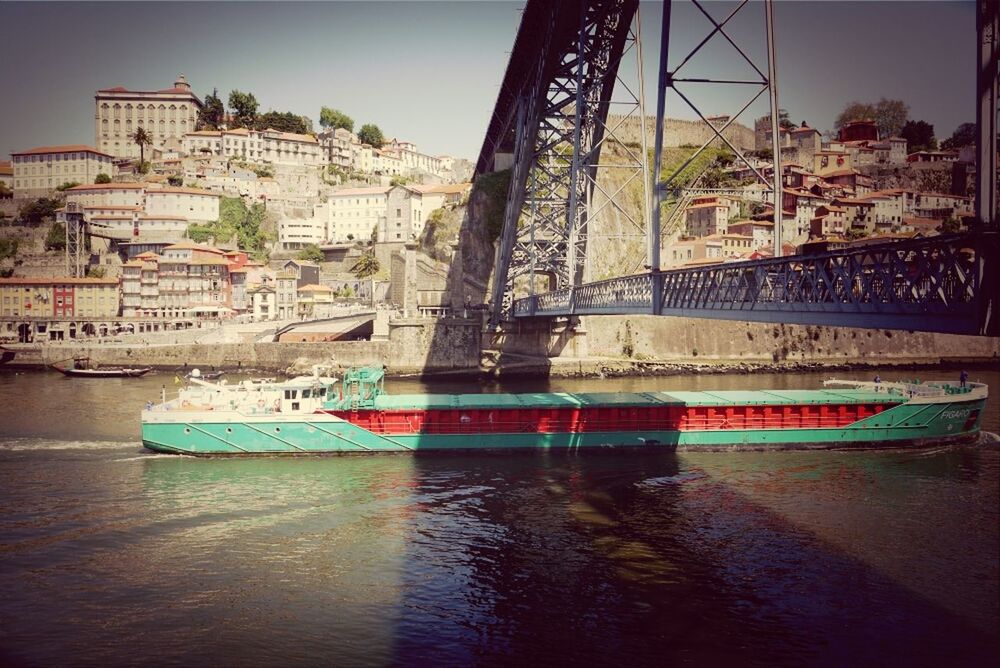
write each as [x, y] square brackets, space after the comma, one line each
[760, 231]
[296, 233]
[338, 146]
[408, 207]
[271, 146]
[38, 171]
[166, 114]
[353, 213]
[194, 204]
[105, 195]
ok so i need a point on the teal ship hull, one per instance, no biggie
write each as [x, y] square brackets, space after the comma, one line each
[859, 418]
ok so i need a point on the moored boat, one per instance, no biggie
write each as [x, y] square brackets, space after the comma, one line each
[313, 415]
[103, 373]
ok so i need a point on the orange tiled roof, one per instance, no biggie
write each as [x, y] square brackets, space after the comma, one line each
[58, 281]
[180, 190]
[190, 245]
[67, 148]
[108, 186]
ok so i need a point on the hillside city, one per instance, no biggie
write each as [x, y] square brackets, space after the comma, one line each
[197, 211]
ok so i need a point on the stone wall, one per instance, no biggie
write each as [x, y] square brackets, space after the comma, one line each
[653, 337]
[433, 344]
[264, 356]
[413, 346]
[677, 132]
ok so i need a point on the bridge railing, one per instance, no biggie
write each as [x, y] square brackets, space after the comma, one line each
[935, 284]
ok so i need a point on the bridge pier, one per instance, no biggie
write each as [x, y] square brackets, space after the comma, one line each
[542, 337]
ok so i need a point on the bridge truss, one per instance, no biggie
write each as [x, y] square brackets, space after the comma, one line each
[559, 125]
[552, 117]
[937, 284]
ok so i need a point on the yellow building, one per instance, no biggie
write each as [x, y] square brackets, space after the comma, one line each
[38, 171]
[38, 298]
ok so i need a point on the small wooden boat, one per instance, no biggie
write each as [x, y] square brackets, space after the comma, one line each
[79, 370]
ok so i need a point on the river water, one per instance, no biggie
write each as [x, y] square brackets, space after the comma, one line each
[112, 555]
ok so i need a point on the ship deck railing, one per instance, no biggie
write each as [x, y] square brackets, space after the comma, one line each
[911, 388]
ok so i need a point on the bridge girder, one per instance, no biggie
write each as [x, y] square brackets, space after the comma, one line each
[946, 283]
[559, 127]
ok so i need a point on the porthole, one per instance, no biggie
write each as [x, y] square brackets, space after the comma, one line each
[187, 430]
[277, 430]
[229, 430]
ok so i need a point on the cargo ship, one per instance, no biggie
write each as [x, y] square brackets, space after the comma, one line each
[315, 414]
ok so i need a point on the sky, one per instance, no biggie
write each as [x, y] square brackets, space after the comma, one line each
[429, 72]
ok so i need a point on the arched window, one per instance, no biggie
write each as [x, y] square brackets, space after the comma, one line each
[162, 113]
[163, 127]
[184, 125]
[128, 125]
[128, 110]
[118, 111]
[118, 126]
[104, 127]
[173, 113]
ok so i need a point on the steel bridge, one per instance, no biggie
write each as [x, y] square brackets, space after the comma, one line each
[551, 121]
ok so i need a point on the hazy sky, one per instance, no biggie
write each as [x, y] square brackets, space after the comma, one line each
[429, 71]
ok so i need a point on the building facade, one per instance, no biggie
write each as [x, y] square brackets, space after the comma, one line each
[38, 171]
[167, 115]
[271, 146]
[194, 204]
[59, 297]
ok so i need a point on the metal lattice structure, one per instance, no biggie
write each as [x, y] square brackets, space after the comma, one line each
[76, 231]
[560, 124]
[937, 284]
[669, 78]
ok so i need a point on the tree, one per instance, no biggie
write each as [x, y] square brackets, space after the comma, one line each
[283, 122]
[367, 265]
[35, 211]
[889, 115]
[143, 139]
[97, 272]
[175, 181]
[784, 121]
[102, 178]
[919, 136]
[964, 135]
[311, 253]
[950, 226]
[333, 119]
[371, 134]
[243, 108]
[8, 247]
[66, 186]
[56, 238]
[854, 111]
[212, 114]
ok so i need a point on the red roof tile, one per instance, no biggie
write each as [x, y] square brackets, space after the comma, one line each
[67, 148]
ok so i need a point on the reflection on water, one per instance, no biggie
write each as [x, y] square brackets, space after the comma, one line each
[111, 555]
